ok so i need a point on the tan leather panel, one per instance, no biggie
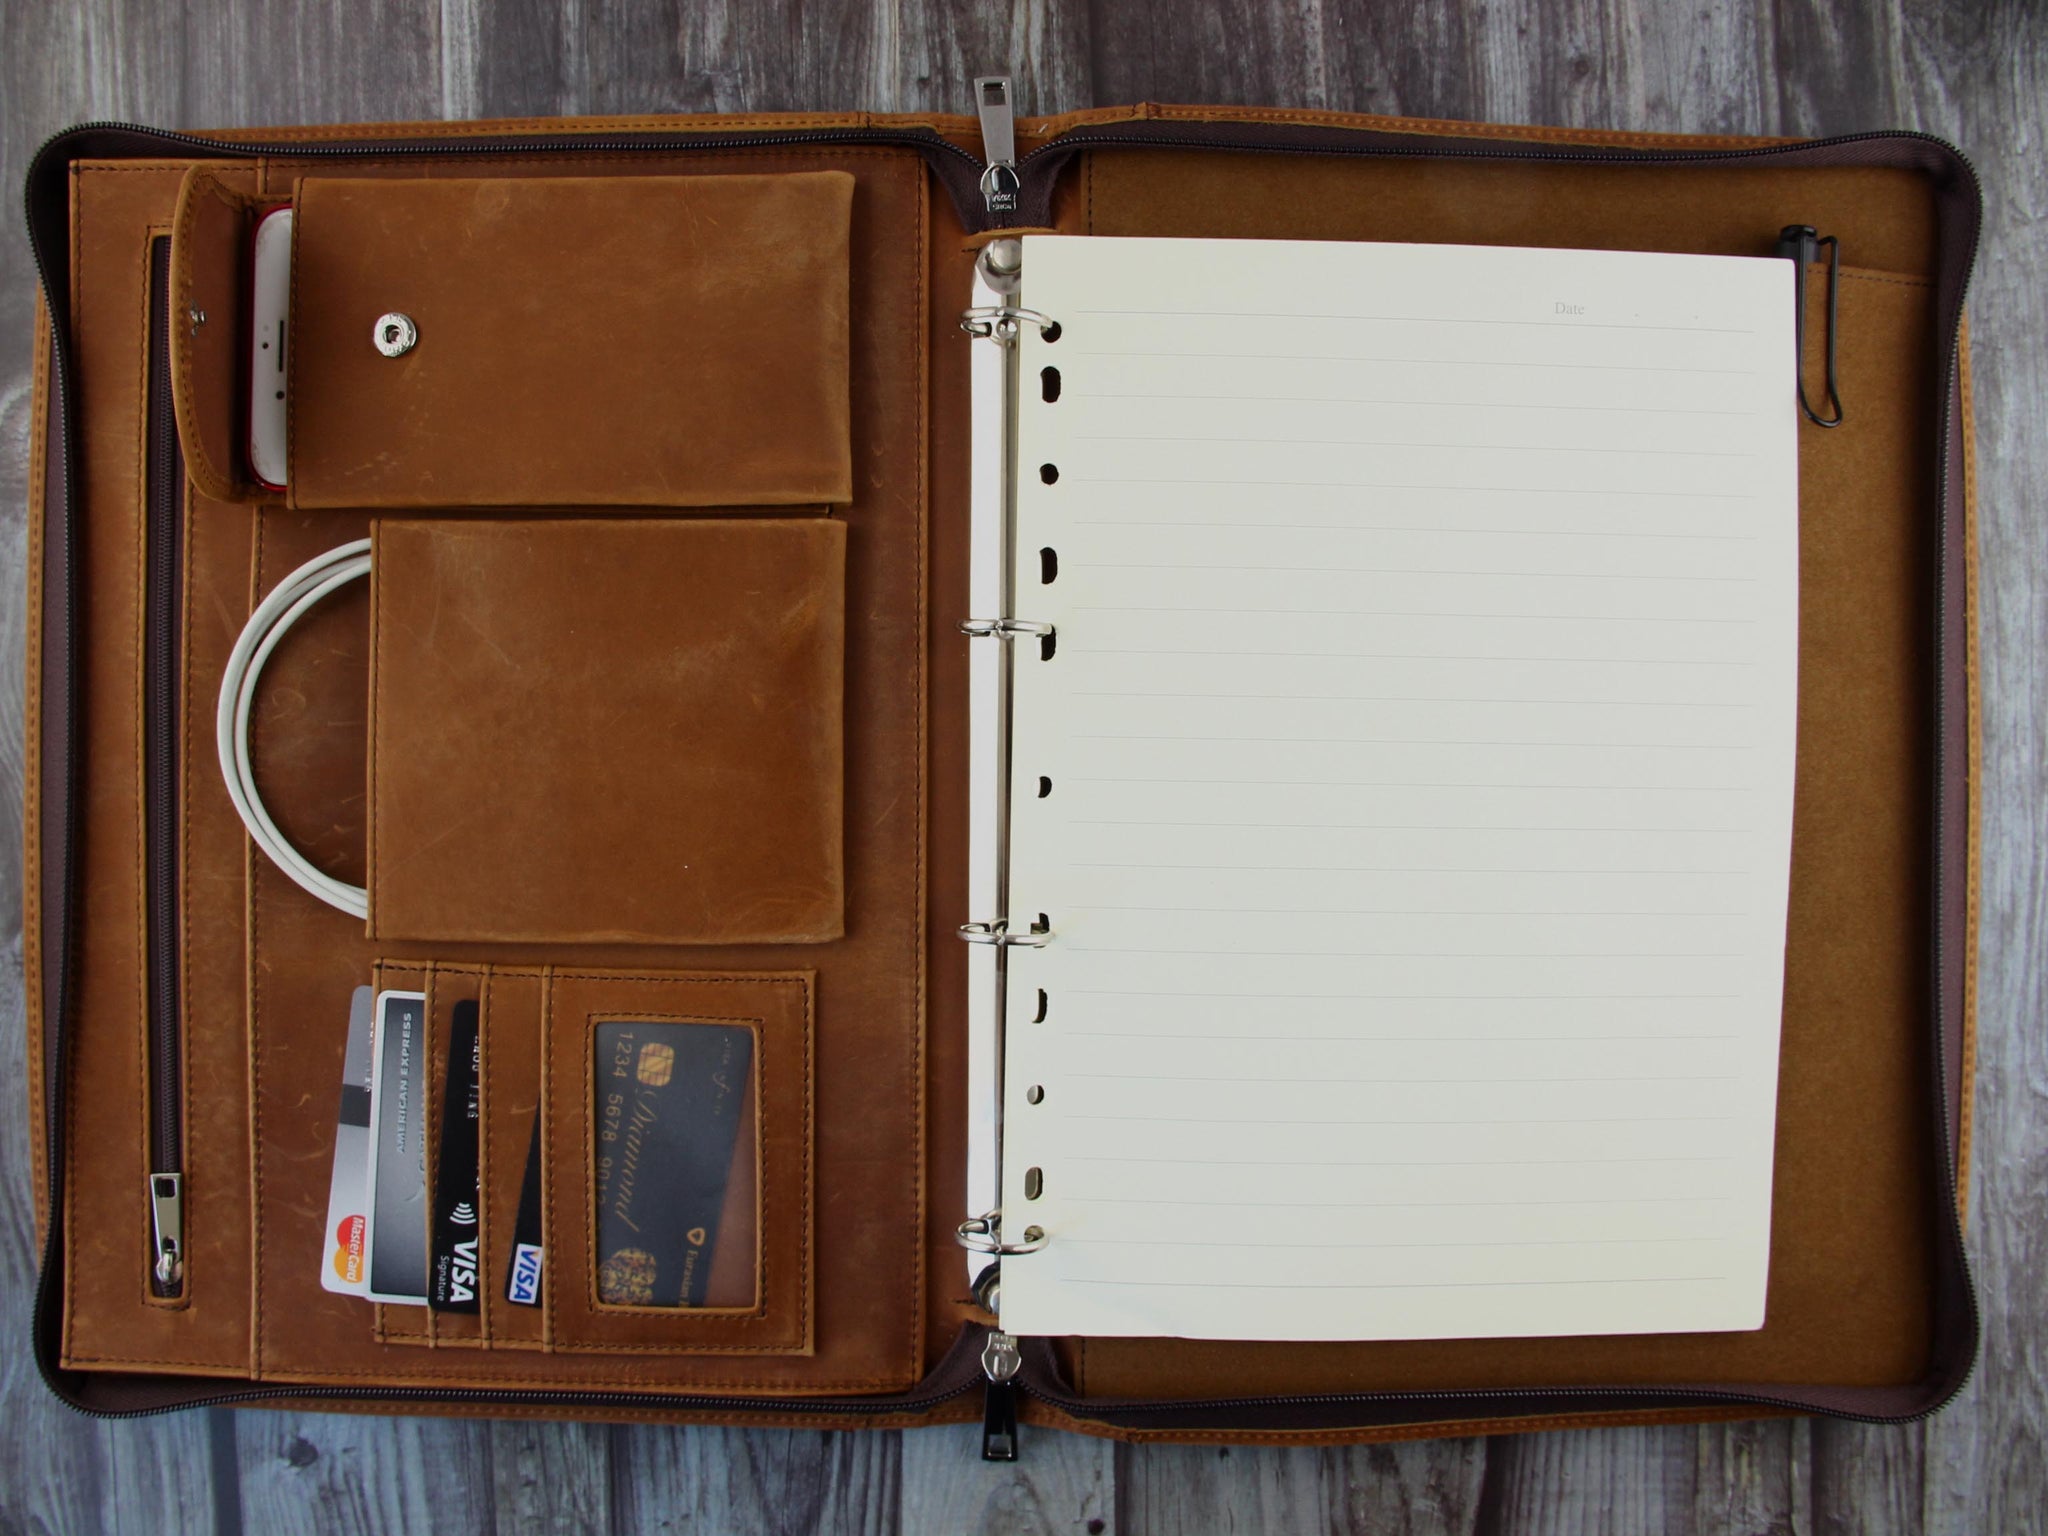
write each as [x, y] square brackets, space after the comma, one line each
[1853, 1204]
[868, 1081]
[590, 729]
[1884, 218]
[670, 341]
[110, 1316]
[209, 286]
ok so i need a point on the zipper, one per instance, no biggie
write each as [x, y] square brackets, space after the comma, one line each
[163, 537]
[999, 180]
[1001, 1359]
[963, 175]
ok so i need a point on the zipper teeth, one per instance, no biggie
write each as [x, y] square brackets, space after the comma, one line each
[651, 141]
[162, 533]
[928, 139]
[1619, 154]
[563, 1398]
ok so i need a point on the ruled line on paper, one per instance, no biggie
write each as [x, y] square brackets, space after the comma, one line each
[1398, 442]
[1187, 524]
[1405, 1285]
[1555, 325]
[1438, 362]
[1403, 401]
[1396, 570]
[1389, 485]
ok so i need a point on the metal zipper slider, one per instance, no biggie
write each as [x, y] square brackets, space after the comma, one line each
[1000, 1362]
[999, 182]
[167, 1219]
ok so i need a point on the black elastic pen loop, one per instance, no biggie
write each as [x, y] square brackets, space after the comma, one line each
[1800, 244]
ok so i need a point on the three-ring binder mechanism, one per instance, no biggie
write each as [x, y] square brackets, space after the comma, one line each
[1000, 318]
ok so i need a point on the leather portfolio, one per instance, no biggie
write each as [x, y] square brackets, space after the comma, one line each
[621, 866]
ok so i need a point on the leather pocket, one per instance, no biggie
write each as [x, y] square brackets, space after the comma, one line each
[622, 1068]
[586, 730]
[673, 341]
[619, 1056]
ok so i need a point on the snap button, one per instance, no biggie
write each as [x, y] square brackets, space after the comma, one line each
[395, 334]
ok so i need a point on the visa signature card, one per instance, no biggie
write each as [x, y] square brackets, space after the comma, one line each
[669, 1101]
[398, 1151]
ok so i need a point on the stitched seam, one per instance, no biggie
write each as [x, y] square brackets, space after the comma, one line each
[430, 1141]
[547, 1149]
[513, 127]
[252, 875]
[1974, 706]
[485, 1291]
[919, 363]
[373, 879]
[1874, 275]
[181, 875]
[399, 1377]
[70, 1148]
[291, 361]
[1439, 1429]
[32, 775]
[1449, 128]
[140, 654]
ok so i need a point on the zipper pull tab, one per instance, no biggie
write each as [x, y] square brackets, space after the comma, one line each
[999, 183]
[1000, 1362]
[167, 1221]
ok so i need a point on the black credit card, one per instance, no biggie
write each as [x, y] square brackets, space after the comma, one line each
[668, 1107]
[451, 1284]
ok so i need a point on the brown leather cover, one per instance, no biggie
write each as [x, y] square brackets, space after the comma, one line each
[533, 681]
[1864, 1306]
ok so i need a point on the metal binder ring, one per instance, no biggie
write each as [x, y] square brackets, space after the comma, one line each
[1002, 322]
[999, 933]
[1003, 629]
[983, 1234]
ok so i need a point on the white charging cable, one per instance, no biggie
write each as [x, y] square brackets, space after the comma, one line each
[273, 618]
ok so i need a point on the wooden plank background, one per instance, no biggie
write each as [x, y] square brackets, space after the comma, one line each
[1977, 74]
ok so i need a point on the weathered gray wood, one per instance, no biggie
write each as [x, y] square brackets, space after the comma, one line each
[318, 1474]
[1977, 73]
[1060, 1484]
[776, 1480]
[550, 1478]
[1430, 1488]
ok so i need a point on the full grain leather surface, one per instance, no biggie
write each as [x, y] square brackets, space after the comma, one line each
[588, 730]
[667, 341]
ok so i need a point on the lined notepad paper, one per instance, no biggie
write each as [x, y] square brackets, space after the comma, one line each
[1409, 791]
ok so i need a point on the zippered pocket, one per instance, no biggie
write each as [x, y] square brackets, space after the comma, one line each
[163, 604]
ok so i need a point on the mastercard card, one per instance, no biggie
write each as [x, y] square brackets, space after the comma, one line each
[344, 1265]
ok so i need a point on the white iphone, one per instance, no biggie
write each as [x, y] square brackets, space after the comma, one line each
[270, 289]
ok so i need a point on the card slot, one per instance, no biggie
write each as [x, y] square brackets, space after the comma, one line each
[510, 1025]
[539, 1033]
[601, 1288]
